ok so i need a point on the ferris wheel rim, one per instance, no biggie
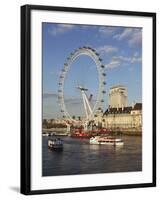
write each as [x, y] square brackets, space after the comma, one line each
[92, 53]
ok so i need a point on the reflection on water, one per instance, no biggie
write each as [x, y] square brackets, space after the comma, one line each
[79, 157]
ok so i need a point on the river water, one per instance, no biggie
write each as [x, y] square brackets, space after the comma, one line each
[79, 157]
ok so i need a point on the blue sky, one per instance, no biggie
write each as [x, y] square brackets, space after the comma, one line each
[119, 47]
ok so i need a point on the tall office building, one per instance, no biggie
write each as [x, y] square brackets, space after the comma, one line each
[118, 97]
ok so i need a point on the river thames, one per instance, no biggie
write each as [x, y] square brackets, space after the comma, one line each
[80, 157]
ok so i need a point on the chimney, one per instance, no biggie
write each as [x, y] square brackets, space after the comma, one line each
[133, 105]
[122, 107]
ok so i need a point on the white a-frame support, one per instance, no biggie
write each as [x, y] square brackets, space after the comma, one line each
[87, 107]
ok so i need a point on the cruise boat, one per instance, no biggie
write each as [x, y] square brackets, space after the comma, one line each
[55, 144]
[81, 135]
[78, 133]
[106, 140]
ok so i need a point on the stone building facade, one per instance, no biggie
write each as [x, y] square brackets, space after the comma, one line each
[123, 118]
[118, 96]
[119, 115]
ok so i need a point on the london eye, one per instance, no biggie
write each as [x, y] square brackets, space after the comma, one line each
[89, 111]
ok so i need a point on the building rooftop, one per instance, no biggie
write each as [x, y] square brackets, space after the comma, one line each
[128, 109]
[117, 86]
[138, 106]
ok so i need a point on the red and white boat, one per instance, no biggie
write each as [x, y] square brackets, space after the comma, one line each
[106, 140]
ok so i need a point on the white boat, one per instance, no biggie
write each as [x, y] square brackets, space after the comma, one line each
[55, 144]
[106, 140]
[45, 134]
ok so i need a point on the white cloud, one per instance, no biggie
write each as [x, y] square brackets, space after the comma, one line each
[50, 95]
[61, 29]
[107, 49]
[132, 35]
[132, 59]
[136, 38]
[113, 64]
[107, 30]
[124, 34]
[136, 59]
[117, 61]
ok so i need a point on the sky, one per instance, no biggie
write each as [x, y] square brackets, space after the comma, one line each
[120, 49]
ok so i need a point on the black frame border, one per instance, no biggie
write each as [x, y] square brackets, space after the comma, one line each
[25, 146]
